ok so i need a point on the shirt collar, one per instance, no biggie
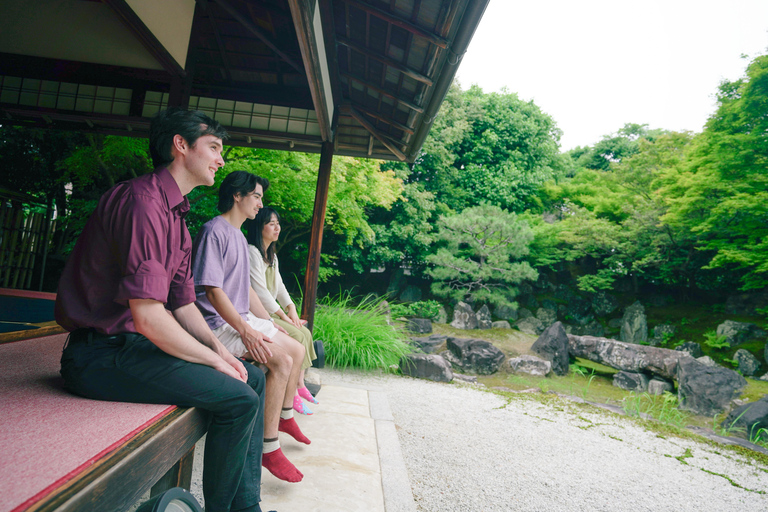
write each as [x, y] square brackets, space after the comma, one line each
[176, 201]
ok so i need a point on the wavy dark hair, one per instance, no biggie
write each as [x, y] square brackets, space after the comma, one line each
[238, 183]
[256, 226]
[190, 124]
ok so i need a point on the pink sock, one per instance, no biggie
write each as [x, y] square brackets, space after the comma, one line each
[306, 395]
[281, 467]
[290, 427]
[300, 407]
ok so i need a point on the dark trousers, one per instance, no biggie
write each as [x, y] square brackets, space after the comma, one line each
[130, 368]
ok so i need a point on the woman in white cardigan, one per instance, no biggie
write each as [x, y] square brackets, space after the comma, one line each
[263, 232]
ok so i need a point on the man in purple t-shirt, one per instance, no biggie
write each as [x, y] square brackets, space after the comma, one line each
[236, 316]
[129, 269]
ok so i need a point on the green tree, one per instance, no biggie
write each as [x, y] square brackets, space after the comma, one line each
[482, 259]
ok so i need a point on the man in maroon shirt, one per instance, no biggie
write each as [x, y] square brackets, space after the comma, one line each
[127, 296]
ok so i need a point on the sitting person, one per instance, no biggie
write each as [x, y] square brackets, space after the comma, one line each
[263, 232]
[236, 316]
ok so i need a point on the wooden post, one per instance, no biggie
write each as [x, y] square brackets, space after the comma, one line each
[316, 238]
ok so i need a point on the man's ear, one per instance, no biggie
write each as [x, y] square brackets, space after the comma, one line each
[180, 145]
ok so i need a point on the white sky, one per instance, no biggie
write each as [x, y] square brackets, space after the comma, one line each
[594, 65]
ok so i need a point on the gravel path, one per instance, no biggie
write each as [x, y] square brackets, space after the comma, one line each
[470, 450]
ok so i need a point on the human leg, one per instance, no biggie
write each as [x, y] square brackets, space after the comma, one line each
[130, 368]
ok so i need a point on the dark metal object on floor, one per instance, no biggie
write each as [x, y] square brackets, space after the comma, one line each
[175, 499]
[319, 362]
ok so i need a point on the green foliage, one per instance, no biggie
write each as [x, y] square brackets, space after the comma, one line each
[712, 340]
[357, 336]
[481, 259]
[420, 309]
[662, 408]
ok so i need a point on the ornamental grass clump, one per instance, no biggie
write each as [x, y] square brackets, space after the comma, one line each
[357, 335]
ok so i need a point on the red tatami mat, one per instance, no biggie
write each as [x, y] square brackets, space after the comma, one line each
[48, 436]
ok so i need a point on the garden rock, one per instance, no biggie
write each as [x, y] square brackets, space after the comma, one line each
[593, 328]
[627, 356]
[737, 333]
[546, 303]
[469, 379]
[662, 332]
[751, 417]
[564, 293]
[396, 282]
[578, 310]
[464, 317]
[429, 344]
[746, 304]
[604, 303]
[410, 294]
[419, 325]
[631, 381]
[546, 315]
[553, 345]
[442, 316]
[484, 318]
[530, 325]
[505, 312]
[531, 365]
[524, 313]
[478, 356]
[657, 386]
[706, 390]
[748, 364]
[692, 348]
[634, 327]
[614, 323]
[764, 377]
[426, 366]
[528, 300]
[501, 324]
[706, 360]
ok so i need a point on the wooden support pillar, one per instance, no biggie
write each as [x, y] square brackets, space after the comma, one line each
[316, 237]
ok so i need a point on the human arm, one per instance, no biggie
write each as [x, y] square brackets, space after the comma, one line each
[254, 341]
[152, 320]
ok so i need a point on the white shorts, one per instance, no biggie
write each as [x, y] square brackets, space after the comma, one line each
[232, 340]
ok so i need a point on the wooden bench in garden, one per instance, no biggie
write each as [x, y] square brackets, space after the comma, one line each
[61, 452]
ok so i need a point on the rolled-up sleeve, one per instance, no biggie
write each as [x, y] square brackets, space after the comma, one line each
[142, 241]
[183, 285]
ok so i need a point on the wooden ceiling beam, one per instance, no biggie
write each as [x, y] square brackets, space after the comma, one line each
[373, 131]
[256, 31]
[400, 22]
[386, 61]
[381, 91]
[379, 117]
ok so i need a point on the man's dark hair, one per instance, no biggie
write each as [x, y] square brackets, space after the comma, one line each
[238, 183]
[190, 124]
[256, 227]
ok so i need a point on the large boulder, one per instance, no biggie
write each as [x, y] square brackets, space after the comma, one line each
[500, 324]
[746, 304]
[690, 347]
[429, 344]
[442, 316]
[410, 294]
[631, 381]
[750, 417]
[546, 315]
[419, 325]
[603, 303]
[627, 356]
[478, 356]
[531, 365]
[593, 328]
[634, 327]
[748, 364]
[426, 366]
[738, 332]
[553, 345]
[524, 313]
[484, 318]
[530, 325]
[706, 390]
[464, 317]
[505, 313]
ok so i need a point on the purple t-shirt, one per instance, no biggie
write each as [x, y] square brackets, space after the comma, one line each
[134, 246]
[220, 259]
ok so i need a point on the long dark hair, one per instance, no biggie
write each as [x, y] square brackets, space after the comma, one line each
[255, 228]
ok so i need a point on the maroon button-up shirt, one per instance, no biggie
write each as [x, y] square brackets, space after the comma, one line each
[135, 246]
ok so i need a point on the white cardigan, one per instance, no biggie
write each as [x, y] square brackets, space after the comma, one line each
[259, 282]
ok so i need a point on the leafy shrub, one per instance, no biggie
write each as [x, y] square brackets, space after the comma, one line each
[712, 340]
[357, 336]
[421, 309]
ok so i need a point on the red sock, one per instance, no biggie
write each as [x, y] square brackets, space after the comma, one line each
[281, 467]
[290, 427]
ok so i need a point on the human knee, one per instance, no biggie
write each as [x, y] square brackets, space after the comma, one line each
[280, 363]
[246, 404]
